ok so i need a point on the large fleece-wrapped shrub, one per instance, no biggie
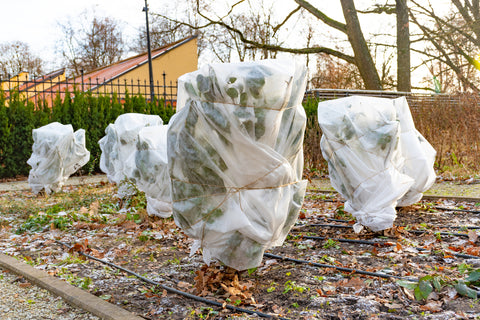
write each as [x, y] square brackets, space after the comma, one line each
[151, 172]
[119, 146]
[372, 150]
[235, 158]
[419, 155]
[58, 152]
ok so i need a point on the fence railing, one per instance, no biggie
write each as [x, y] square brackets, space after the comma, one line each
[414, 99]
[46, 90]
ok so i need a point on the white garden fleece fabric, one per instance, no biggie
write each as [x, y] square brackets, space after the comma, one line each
[377, 160]
[235, 156]
[58, 152]
[134, 155]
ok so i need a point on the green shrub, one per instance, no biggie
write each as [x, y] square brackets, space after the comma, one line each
[19, 117]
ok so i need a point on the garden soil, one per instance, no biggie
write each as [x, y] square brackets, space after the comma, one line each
[429, 242]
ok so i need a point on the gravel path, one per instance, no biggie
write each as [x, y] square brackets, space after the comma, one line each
[20, 301]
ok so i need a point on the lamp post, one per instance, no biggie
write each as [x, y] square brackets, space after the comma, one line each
[149, 53]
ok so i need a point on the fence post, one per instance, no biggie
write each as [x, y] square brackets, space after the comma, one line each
[34, 90]
[164, 89]
[81, 71]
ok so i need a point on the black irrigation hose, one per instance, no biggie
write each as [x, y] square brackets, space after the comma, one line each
[434, 207]
[457, 210]
[374, 243]
[381, 243]
[439, 232]
[344, 269]
[175, 291]
[413, 231]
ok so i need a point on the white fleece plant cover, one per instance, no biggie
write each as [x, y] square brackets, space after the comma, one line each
[419, 155]
[376, 158]
[119, 146]
[235, 156]
[151, 172]
[58, 152]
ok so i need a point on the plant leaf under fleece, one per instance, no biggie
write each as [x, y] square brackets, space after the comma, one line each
[235, 157]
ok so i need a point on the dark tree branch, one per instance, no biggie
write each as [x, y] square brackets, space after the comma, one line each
[445, 55]
[323, 17]
[259, 45]
[275, 29]
[378, 9]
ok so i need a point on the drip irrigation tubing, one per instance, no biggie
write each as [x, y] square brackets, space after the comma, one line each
[373, 243]
[344, 269]
[175, 291]
[424, 197]
[456, 210]
[381, 243]
[349, 226]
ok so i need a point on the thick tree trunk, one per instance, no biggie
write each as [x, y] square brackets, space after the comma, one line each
[363, 58]
[403, 47]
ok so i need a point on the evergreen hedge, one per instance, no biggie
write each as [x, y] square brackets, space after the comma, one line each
[18, 117]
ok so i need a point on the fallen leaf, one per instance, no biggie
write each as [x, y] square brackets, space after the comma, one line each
[183, 284]
[432, 306]
[24, 284]
[397, 248]
[472, 236]
[409, 293]
[474, 251]
[393, 305]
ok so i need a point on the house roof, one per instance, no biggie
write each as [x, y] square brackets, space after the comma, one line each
[104, 75]
[113, 71]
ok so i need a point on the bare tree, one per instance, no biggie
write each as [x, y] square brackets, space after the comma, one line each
[334, 73]
[454, 40]
[16, 57]
[403, 47]
[91, 43]
[162, 32]
[351, 29]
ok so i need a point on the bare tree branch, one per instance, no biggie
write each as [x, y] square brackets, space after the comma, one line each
[428, 34]
[323, 17]
[275, 29]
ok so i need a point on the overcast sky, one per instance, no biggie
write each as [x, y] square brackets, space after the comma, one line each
[35, 22]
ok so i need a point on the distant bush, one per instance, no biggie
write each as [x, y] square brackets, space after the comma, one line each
[451, 128]
[449, 123]
[82, 110]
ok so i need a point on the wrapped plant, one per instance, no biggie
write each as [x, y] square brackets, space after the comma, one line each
[118, 148]
[376, 158]
[151, 172]
[58, 152]
[235, 158]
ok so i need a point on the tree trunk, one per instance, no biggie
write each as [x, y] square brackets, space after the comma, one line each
[363, 58]
[403, 47]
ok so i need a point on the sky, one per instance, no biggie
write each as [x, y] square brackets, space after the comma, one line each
[35, 22]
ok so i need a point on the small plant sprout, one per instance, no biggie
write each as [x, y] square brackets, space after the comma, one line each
[330, 243]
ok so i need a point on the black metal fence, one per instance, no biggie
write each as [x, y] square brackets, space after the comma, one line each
[46, 89]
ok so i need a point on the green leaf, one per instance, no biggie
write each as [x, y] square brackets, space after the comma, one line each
[473, 276]
[423, 289]
[203, 83]
[251, 270]
[463, 290]
[436, 283]
[232, 93]
[407, 284]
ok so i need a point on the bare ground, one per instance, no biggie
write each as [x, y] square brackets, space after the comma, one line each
[90, 219]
